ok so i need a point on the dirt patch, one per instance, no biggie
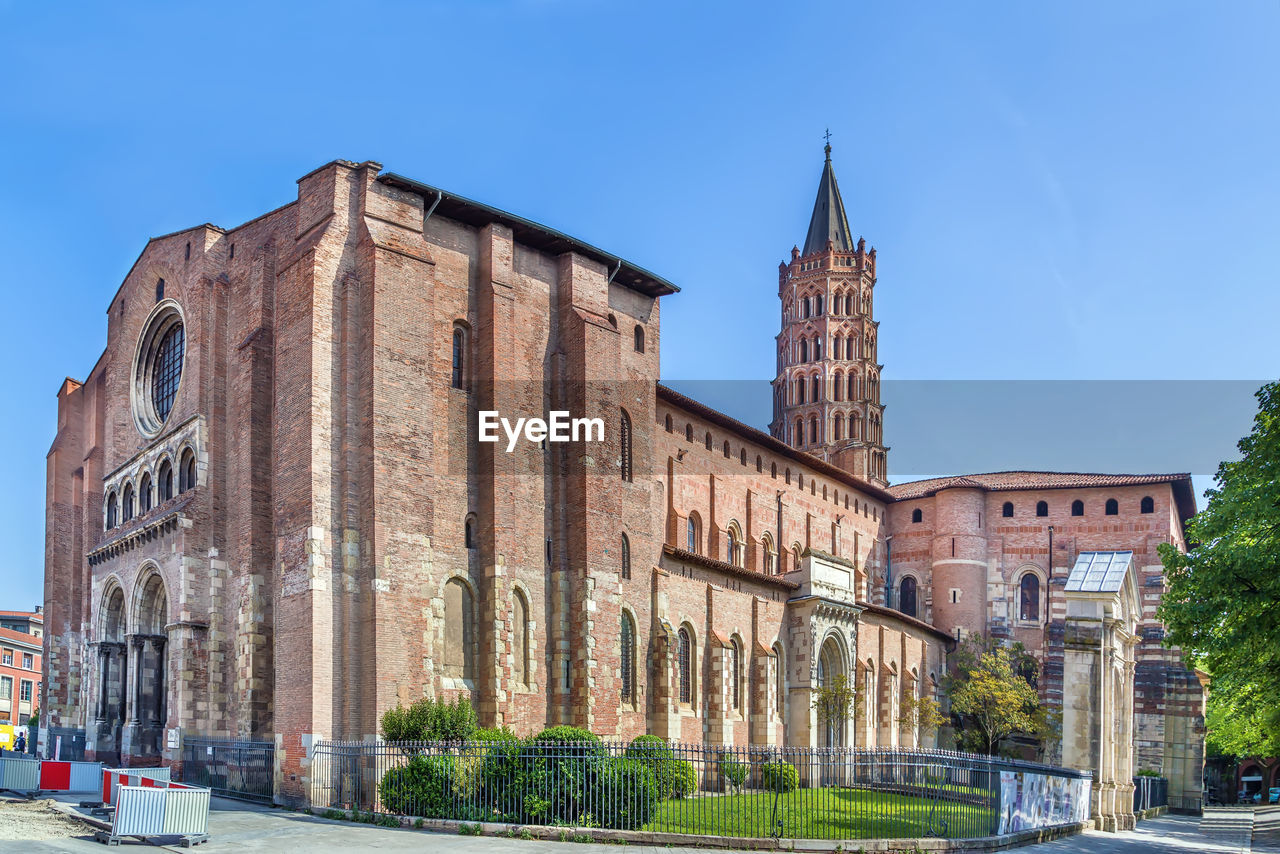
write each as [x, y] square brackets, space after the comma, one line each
[37, 820]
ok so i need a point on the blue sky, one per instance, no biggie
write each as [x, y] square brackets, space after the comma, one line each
[1056, 190]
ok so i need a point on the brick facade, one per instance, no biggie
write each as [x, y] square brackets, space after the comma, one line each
[337, 541]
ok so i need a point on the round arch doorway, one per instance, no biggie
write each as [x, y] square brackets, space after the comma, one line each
[832, 673]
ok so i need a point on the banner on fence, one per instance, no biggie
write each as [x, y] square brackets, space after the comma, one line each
[1029, 801]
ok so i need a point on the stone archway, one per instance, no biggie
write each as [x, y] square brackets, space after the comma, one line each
[112, 677]
[148, 703]
[832, 668]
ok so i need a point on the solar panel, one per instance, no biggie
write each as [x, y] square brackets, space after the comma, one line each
[1099, 572]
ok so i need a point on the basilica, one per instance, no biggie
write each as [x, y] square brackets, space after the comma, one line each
[269, 515]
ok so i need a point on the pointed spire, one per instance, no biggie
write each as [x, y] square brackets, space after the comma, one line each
[829, 222]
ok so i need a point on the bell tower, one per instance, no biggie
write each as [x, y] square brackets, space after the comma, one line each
[826, 397]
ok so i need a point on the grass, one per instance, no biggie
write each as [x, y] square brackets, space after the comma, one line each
[824, 813]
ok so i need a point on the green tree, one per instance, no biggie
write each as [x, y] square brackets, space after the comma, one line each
[991, 694]
[1222, 605]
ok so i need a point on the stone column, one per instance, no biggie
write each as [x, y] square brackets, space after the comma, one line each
[132, 701]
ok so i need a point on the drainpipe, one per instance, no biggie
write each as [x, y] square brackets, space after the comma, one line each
[426, 216]
[616, 269]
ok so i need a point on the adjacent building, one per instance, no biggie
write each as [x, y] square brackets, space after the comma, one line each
[21, 656]
[270, 517]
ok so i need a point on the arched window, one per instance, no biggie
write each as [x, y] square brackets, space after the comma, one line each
[1077, 507]
[1042, 508]
[126, 503]
[813, 431]
[798, 433]
[837, 425]
[167, 371]
[520, 641]
[1113, 507]
[707, 440]
[907, 596]
[1148, 504]
[796, 553]
[853, 389]
[788, 470]
[734, 551]
[624, 433]
[112, 511]
[837, 388]
[164, 481]
[627, 650]
[773, 470]
[458, 633]
[688, 432]
[804, 350]
[626, 557]
[685, 656]
[1029, 608]
[1007, 510]
[639, 342]
[759, 464]
[917, 515]
[695, 533]
[668, 424]
[469, 532]
[459, 355]
[769, 554]
[187, 470]
[855, 426]
[818, 306]
[735, 673]
[742, 457]
[817, 347]
[800, 390]
[815, 390]
[726, 449]
[144, 492]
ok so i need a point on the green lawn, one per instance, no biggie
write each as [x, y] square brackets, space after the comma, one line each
[828, 813]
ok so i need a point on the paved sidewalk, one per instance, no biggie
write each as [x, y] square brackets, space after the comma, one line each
[241, 828]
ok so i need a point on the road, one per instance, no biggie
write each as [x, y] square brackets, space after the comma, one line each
[240, 828]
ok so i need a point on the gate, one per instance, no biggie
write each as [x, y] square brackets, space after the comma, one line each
[236, 769]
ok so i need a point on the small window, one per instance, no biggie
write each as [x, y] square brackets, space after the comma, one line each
[668, 424]
[1007, 510]
[639, 342]
[694, 529]
[459, 353]
[685, 656]
[144, 494]
[187, 471]
[735, 673]
[688, 432]
[1042, 508]
[626, 557]
[1029, 608]
[917, 515]
[112, 511]
[726, 450]
[626, 456]
[907, 596]
[1077, 507]
[773, 470]
[126, 503]
[1148, 504]
[1113, 507]
[469, 533]
[759, 464]
[160, 288]
[707, 440]
[627, 651]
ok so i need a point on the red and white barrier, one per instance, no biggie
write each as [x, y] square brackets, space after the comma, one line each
[47, 775]
[114, 778]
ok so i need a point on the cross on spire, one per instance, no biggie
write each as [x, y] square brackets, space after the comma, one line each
[827, 147]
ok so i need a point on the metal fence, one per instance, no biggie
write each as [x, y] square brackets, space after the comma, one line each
[1150, 792]
[693, 789]
[237, 769]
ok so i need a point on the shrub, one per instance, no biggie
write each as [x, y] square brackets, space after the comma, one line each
[626, 793]
[779, 776]
[421, 787]
[675, 778]
[734, 771]
[557, 772]
[429, 719]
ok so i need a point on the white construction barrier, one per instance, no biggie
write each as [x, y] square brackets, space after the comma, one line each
[162, 809]
[19, 775]
[114, 778]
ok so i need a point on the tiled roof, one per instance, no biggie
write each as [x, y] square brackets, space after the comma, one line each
[1000, 481]
[28, 614]
[11, 636]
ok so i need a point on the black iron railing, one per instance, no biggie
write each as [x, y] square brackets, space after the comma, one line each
[1150, 792]
[237, 769]
[693, 789]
